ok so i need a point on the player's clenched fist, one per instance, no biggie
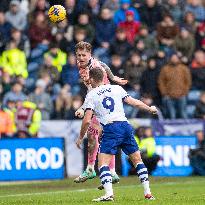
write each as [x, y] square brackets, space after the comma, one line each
[79, 142]
[153, 110]
[79, 113]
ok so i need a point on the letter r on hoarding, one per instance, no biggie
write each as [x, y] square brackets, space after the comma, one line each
[5, 158]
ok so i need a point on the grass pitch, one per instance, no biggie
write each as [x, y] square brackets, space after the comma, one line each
[168, 191]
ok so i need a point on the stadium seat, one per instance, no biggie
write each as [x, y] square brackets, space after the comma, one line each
[190, 110]
[193, 96]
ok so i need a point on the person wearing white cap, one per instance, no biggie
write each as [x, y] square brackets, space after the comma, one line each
[15, 16]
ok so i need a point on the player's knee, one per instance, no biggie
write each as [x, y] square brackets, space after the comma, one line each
[135, 158]
[104, 159]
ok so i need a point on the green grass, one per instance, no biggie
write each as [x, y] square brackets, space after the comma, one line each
[166, 190]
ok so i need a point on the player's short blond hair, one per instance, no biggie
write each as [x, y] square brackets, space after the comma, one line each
[82, 45]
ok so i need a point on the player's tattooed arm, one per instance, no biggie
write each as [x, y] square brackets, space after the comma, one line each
[111, 76]
[108, 70]
[84, 127]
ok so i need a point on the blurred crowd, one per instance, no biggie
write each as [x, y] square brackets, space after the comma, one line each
[158, 46]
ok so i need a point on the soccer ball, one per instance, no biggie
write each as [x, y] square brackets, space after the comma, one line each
[57, 13]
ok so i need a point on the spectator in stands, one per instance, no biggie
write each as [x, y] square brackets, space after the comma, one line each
[51, 83]
[10, 108]
[200, 35]
[72, 11]
[79, 35]
[107, 41]
[174, 84]
[197, 9]
[120, 15]
[13, 61]
[200, 107]
[173, 7]
[84, 23]
[65, 30]
[6, 81]
[148, 81]
[15, 16]
[39, 26]
[198, 70]
[70, 75]
[119, 45]
[151, 14]
[133, 71]
[130, 26]
[6, 128]
[113, 5]
[5, 31]
[47, 67]
[197, 155]
[116, 66]
[42, 100]
[167, 30]
[150, 43]
[185, 45]
[28, 120]
[76, 103]
[148, 100]
[189, 22]
[203, 44]
[55, 57]
[105, 32]
[93, 8]
[21, 40]
[63, 102]
[15, 94]
[144, 53]
[147, 146]
[105, 29]
[39, 6]
[20, 79]
[161, 58]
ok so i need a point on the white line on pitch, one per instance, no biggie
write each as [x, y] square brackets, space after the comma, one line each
[90, 189]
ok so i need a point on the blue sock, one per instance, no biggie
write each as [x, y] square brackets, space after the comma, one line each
[142, 173]
[106, 180]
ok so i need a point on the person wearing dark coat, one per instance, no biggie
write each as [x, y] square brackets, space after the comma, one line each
[200, 107]
[5, 31]
[151, 14]
[104, 28]
[148, 83]
[120, 45]
[104, 34]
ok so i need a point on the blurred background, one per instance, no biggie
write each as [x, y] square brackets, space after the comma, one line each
[157, 45]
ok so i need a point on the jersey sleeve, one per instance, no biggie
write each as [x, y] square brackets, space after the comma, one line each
[123, 93]
[88, 103]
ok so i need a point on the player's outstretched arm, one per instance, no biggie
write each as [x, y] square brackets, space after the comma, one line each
[85, 124]
[139, 104]
[118, 80]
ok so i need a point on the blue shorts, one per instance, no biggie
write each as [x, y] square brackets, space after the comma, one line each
[118, 135]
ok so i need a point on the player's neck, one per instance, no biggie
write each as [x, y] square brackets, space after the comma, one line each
[97, 85]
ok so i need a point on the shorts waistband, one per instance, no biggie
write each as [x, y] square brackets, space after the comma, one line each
[111, 122]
